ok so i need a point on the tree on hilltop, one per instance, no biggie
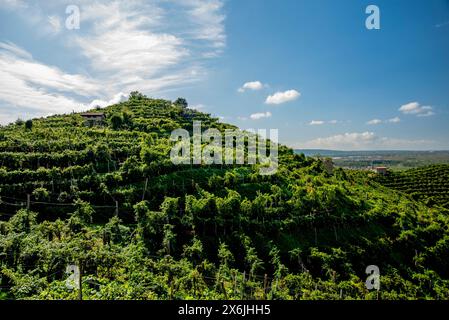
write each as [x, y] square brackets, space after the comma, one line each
[181, 102]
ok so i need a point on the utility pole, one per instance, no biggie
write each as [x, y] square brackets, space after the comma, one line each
[80, 283]
[170, 279]
[265, 282]
[116, 207]
[243, 286]
[28, 201]
[145, 190]
[224, 290]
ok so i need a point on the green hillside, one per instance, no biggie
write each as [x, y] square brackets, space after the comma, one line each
[429, 184]
[108, 199]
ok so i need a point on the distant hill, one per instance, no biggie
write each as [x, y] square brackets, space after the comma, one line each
[106, 198]
[397, 160]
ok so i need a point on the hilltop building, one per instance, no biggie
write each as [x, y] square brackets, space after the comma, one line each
[381, 170]
[93, 118]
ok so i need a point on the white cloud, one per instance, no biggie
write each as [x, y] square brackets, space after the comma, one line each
[13, 49]
[119, 97]
[150, 46]
[378, 121]
[55, 23]
[208, 21]
[342, 141]
[13, 4]
[7, 117]
[439, 25]
[322, 122]
[35, 15]
[364, 141]
[374, 122]
[282, 97]
[29, 84]
[427, 111]
[260, 115]
[42, 76]
[416, 109]
[18, 94]
[253, 85]
[122, 48]
[394, 120]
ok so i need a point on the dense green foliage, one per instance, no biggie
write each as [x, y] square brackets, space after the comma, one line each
[107, 198]
[429, 184]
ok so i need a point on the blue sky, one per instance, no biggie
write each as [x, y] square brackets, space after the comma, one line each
[309, 68]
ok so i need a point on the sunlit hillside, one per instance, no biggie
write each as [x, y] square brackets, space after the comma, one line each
[107, 199]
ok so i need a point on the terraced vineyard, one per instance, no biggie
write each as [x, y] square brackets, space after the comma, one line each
[107, 200]
[61, 159]
[429, 184]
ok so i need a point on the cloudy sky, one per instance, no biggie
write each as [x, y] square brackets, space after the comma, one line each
[308, 68]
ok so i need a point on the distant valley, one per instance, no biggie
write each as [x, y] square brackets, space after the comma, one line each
[395, 160]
